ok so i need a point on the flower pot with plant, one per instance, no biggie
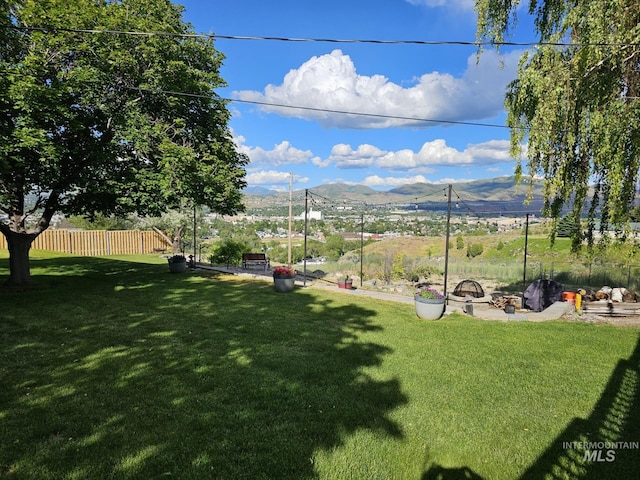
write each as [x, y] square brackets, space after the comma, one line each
[429, 303]
[284, 279]
[346, 283]
[177, 263]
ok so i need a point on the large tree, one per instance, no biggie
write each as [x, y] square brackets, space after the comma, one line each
[107, 122]
[575, 104]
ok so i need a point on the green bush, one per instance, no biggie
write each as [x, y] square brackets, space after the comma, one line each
[420, 269]
[398, 269]
[474, 249]
[228, 252]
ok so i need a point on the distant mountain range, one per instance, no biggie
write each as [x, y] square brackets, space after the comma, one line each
[500, 195]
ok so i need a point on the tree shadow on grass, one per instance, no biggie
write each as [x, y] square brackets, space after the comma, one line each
[437, 472]
[606, 444]
[122, 370]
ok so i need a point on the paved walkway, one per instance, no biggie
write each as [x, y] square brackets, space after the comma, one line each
[553, 312]
[480, 310]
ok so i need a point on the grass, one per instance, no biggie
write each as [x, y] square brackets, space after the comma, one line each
[114, 368]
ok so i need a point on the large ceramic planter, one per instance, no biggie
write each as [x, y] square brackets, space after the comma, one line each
[284, 283]
[429, 309]
[178, 266]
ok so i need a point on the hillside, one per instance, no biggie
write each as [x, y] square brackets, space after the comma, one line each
[483, 196]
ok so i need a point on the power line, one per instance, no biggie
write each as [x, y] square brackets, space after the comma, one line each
[291, 39]
[323, 201]
[374, 115]
[324, 110]
[213, 36]
[424, 198]
[460, 200]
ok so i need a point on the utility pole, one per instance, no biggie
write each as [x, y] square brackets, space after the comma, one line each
[290, 214]
[524, 270]
[446, 250]
[306, 228]
[361, 244]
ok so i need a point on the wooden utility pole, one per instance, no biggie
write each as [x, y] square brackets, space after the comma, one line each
[290, 215]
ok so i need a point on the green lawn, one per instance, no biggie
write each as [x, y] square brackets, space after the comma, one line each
[112, 368]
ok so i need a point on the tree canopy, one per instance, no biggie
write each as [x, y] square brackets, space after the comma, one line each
[108, 122]
[573, 109]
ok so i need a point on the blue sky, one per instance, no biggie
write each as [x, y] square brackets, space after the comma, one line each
[385, 81]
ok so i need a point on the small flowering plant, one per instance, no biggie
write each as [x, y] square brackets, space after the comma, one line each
[282, 271]
[429, 293]
[177, 259]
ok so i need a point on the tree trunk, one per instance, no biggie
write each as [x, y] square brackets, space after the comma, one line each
[19, 245]
[164, 236]
[177, 240]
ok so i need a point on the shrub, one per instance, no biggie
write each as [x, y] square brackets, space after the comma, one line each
[227, 252]
[474, 249]
[398, 270]
[421, 269]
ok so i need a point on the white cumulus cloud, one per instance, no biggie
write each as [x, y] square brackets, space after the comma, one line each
[433, 153]
[281, 154]
[378, 181]
[425, 161]
[497, 150]
[343, 156]
[330, 83]
[266, 177]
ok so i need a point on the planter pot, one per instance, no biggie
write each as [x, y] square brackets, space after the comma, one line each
[178, 267]
[284, 284]
[348, 284]
[429, 309]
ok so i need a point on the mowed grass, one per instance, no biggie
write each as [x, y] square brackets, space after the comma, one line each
[115, 368]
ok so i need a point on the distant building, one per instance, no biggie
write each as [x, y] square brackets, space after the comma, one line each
[311, 215]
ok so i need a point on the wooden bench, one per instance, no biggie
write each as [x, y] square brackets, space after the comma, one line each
[251, 259]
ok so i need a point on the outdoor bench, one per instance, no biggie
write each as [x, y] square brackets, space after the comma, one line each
[251, 259]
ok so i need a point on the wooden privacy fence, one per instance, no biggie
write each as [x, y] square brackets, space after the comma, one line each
[98, 242]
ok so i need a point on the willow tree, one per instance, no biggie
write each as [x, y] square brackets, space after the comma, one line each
[574, 109]
[113, 123]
